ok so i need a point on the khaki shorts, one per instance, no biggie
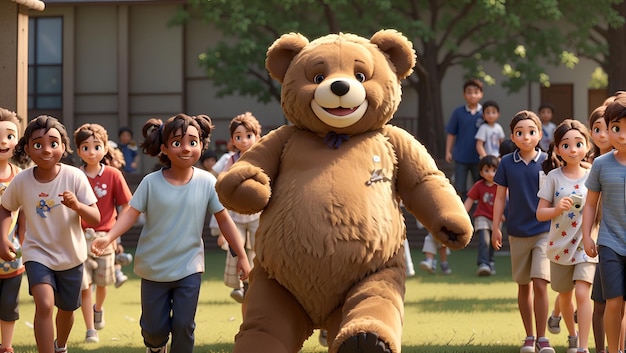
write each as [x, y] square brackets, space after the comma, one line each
[563, 276]
[103, 275]
[529, 259]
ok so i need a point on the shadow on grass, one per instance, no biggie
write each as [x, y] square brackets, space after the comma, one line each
[449, 304]
[459, 349]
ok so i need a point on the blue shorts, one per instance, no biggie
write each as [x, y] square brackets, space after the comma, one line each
[9, 295]
[66, 284]
[612, 267]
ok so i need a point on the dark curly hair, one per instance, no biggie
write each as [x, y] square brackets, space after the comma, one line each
[46, 123]
[155, 133]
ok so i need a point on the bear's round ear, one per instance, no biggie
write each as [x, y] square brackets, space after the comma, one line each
[398, 48]
[280, 54]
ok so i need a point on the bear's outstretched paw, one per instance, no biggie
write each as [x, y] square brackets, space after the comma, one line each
[366, 342]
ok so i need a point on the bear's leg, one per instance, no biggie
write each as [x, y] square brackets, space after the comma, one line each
[373, 313]
[274, 322]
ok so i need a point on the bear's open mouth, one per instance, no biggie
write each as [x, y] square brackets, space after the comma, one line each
[340, 111]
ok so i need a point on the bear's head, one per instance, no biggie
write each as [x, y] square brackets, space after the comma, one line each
[341, 83]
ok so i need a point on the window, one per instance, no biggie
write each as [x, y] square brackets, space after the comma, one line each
[45, 63]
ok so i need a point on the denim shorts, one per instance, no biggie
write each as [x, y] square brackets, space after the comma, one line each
[66, 284]
[612, 272]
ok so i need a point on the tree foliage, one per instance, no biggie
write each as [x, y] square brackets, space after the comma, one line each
[517, 34]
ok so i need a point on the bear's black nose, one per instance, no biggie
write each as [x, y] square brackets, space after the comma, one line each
[340, 88]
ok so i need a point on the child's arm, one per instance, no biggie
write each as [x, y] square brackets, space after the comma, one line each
[21, 226]
[498, 210]
[546, 212]
[449, 143]
[6, 248]
[228, 228]
[589, 219]
[480, 148]
[89, 213]
[126, 220]
[469, 202]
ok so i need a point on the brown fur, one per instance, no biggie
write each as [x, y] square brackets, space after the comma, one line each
[329, 245]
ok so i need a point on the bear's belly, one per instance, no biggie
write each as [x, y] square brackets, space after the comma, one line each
[333, 218]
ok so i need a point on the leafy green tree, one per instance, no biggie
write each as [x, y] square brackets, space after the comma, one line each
[445, 33]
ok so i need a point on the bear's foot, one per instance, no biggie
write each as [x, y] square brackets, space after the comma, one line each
[366, 342]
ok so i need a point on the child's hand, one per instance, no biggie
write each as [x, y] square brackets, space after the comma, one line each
[243, 268]
[590, 247]
[564, 204]
[70, 200]
[119, 249]
[221, 241]
[7, 252]
[496, 238]
[98, 245]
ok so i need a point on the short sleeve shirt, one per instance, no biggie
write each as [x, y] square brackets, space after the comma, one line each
[170, 245]
[54, 236]
[491, 136]
[608, 176]
[523, 181]
[565, 238]
[464, 125]
[485, 195]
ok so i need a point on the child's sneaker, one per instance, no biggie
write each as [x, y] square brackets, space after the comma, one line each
[554, 324]
[445, 268]
[429, 265]
[483, 270]
[98, 318]
[543, 346]
[157, 350]
[92, 336]
[572, 344]
[492, 266]
[120, 278]
[58, 349]
[323, 338]
[529, 345]
[237, 294]
[6, 350]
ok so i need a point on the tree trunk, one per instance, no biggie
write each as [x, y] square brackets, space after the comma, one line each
[617, 53]
[430, 127]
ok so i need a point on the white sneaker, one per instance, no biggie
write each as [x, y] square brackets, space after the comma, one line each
[428, 265]
[484, 270]
[92, 336]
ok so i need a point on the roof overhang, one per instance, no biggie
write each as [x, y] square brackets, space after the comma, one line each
[31, 4]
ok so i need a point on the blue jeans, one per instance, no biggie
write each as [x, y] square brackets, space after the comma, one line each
[170, 307]
[461, 170]
[485, 250]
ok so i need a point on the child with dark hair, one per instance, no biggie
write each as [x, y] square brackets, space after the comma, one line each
[546, 113]
[170, 251]
[461, 131]
[520, 175]
[54, 197]
[490, 134]
[129, 149]
[605, 184]
[483, 192]
[562, 202]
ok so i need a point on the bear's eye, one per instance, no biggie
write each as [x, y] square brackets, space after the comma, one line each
[318, 78]
[360, 76]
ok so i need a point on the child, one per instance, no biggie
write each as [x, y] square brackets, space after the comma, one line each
[430, 248]
[55, 249]
[10, 271]
[207, 161]
[520, 174]
[490, 134]
[460, 141]
[170, 252]
[561, 201]
[129, 149]
[484, 192]
[245, 130]
[606, 179]
[112, 192]
[546, 113]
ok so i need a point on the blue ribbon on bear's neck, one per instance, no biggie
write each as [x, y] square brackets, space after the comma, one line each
[334, 140]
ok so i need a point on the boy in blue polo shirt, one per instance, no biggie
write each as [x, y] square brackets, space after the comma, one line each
[460, 141]
[520, 174]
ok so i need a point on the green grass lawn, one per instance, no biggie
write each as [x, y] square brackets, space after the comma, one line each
[456, 313]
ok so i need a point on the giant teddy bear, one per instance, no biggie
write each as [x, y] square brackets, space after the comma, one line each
[329, 247]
